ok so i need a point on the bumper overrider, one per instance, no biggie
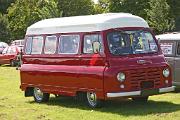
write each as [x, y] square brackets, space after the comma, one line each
[142, 92]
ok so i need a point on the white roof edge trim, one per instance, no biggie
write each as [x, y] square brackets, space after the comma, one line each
[168, 36]
[88, 23]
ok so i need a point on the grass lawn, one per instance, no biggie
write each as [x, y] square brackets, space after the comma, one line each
[14, 106]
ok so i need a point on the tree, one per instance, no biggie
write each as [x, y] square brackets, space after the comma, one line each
[75, 7]
[136, 7]
[4, 30]
[101, 7]
[175, 12]
[4, 4]
[158, 16]
[24, 13]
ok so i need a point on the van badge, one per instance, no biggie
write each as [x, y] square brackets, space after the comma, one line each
[143, 61]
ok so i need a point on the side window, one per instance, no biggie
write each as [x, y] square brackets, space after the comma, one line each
[9, 50]
[28, 45]
[37, 45]
[69, 44]
[167, 48]
[50, 44]
[12, 50]
[5, 50]
[178, 48]
[88, 41]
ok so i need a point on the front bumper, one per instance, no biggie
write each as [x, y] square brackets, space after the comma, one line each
[141, 93]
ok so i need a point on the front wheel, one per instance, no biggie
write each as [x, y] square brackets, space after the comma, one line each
[93, 101]
[140, 99]
[39, 96]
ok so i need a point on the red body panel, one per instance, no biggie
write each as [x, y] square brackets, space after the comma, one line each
[68, 74]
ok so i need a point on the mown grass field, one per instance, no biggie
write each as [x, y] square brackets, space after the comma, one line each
[14, 106]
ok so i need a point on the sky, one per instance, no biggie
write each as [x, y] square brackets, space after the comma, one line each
[95, 1]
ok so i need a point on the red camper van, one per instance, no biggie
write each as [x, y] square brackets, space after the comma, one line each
[103, 56]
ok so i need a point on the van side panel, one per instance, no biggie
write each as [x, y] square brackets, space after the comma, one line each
[64, 75]
[54, 75]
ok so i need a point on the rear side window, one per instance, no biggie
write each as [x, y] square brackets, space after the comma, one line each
[69, 44]
[50, 44]
[34, 45]
[88, 42]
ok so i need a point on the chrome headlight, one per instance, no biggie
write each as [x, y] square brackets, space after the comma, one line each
[166, 72]
[121, 77]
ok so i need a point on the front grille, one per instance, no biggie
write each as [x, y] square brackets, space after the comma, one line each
[144, 78]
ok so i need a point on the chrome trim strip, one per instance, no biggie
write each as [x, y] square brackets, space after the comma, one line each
[122, 94]
[136, 93]
[168, 89]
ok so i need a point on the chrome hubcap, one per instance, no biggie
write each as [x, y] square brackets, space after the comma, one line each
[91, 98]
[38, 94]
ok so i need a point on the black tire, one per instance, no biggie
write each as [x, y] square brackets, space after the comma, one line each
[92, 100]
[39, 96]
[140, 99]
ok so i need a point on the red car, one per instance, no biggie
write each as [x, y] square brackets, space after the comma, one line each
[9, 55]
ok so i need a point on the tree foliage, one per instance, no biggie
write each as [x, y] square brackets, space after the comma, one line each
[136, 7]
[24, 13]
[101, 7]
[4, 30]
[175, 12]
[162, 15]
[159, 16]
[75, 7]
[4, 4]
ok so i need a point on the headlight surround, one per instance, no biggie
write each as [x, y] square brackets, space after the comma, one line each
[166, 72]
[121, 76]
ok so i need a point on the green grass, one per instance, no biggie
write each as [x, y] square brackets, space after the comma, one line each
[14, 106]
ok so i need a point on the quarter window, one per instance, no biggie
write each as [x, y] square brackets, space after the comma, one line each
[88, 41]
[28, 45]
[69, 44]
[50, 45]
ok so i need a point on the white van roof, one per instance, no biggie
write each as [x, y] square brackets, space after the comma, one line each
[169, 36]
[88, 23]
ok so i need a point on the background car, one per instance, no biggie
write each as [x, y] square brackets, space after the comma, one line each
[10, 55]
[170, 46]
[18, 42]
[3, 45]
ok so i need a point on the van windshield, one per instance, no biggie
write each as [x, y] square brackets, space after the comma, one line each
[131, 42]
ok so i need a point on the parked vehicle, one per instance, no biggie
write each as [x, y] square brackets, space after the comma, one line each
[102, 56]
[9, 55]
[3, 45]
[18, 42]
[170, 45]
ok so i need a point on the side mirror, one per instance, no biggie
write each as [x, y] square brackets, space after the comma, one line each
[96, 47]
